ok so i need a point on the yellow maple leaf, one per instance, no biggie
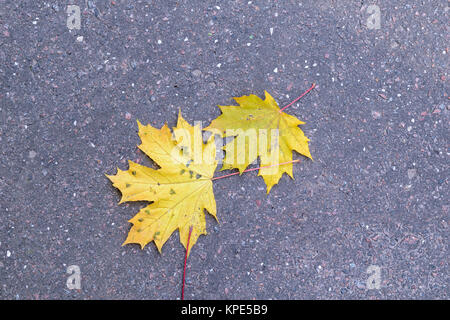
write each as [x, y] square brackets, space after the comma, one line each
[252, 123]
[180, 190]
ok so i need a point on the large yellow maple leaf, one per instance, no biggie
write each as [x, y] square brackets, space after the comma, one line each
[261, 130]
[180, 190]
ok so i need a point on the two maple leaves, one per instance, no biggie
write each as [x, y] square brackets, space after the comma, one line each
[182, 188]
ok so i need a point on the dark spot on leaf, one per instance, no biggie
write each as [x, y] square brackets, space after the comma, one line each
[139, 230]
[198, 176]
[133, 173]
[172, 191]
[127, 185]
[147, 211]
[140, 219]
[188, 163]
[185, 150]
[182, 171]
[191, 173]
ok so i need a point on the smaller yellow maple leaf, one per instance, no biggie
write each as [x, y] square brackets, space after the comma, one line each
[180, 190]
[261, 130]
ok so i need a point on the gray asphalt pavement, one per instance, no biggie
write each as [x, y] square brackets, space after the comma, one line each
[373, 205]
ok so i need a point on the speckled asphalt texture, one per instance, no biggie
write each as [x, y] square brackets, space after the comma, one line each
[375, 194]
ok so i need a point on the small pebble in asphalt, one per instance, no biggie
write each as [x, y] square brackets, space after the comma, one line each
[196, 73]
[412, 173]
